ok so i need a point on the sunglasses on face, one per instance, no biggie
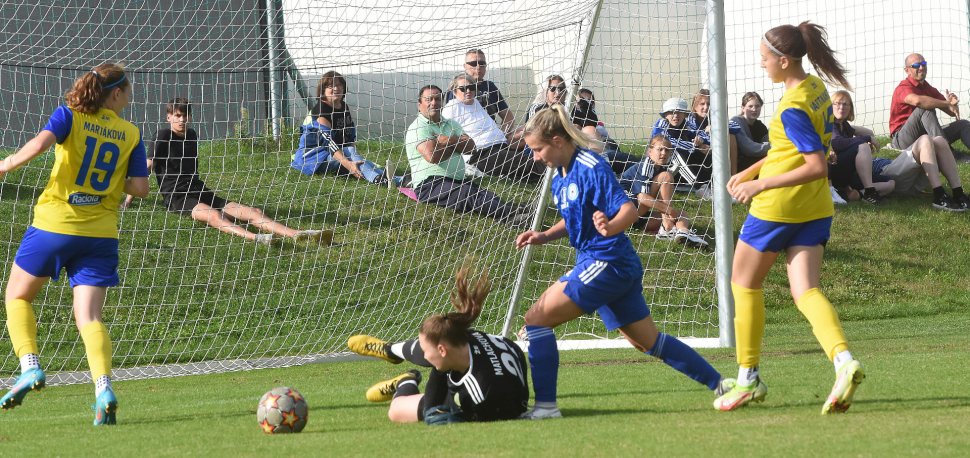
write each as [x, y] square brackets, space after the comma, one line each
[561, 88]
[468, 88]
[476, 63]
[917, 65]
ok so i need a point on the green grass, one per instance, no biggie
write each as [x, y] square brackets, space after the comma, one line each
[616, 403]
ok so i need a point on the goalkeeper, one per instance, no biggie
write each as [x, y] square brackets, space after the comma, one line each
[474, 376]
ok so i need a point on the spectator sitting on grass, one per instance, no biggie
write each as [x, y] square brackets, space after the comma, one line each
[699, 122]
[693, 160]
[752, 139]
[174, 153]
[653, 185]
[852, 149]
[434, 145]
[584, 116]
[492, 154]
[328, 140]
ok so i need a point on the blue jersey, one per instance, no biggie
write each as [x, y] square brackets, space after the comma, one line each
[590, 185]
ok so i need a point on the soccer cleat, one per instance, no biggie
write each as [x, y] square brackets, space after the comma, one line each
[384, 391]
[724, 386]
[541, 413]
[323, 237]
[32, 379]
[105, 407]
[740, 395]
[846, 382]
[372, 346]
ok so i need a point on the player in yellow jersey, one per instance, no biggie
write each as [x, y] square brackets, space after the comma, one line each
[791, 211]
[75, 226]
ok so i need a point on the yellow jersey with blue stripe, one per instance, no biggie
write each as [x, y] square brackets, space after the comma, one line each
[93, 156]
[802, 123]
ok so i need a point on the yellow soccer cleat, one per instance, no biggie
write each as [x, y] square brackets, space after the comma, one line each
[846, 382]
[384, 391]
[740, 395]
[372, 346]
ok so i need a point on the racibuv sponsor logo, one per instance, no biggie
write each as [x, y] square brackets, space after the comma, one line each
[80, 198]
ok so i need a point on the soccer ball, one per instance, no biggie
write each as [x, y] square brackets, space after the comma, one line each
[282, 410]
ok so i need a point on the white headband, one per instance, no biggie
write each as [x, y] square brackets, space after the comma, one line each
[764, 38]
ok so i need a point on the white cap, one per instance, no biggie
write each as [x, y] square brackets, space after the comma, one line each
[674, 104]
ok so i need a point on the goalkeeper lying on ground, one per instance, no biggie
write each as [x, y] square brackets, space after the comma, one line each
[474, 376]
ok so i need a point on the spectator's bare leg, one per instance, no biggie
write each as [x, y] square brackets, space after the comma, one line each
[257, 218]
[885, 188]
[945, 161]
[863, 165]
[923, 152]
[216, 219]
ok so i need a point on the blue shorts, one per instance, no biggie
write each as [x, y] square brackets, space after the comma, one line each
[90, 261]
[597, 286]
[777, 237]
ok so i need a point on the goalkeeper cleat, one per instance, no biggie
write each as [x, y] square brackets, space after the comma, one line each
[384, 391]
[372, 346]
[541, 413]
[31, 379]
[846, 382]
[740, 395]
[105, 407]
[724, 386]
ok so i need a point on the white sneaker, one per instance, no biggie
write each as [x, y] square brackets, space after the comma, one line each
[471, 170]
[836, 198]
[705, 193]
[541, 413]
[663, 234]
[324, 237]
[265, 239]
[693, 240]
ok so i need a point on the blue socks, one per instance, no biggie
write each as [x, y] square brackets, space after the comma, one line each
[675, 354]
[544, 362]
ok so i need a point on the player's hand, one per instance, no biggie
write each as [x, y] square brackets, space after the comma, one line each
[530, 238]
[602, 223]
[698, 141]
[354, 168]
[126, 202]
[746, 191]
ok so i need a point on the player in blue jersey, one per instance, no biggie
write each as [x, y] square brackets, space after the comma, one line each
[75, 226]
[791, 211]
[608, 276]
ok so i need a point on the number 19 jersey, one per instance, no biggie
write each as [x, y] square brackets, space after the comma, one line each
[93, 156]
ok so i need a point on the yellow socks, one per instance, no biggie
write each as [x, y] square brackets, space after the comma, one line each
[824, 320]
[97, 342]
[22, 325]
[749, 324]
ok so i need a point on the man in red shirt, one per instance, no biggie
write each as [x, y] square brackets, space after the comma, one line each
[916, 129]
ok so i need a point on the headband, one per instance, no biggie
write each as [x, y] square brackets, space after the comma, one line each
[119, 81]
[764, 38]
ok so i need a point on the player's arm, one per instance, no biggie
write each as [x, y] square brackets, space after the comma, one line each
[35, 147]
[556, 232]
[136, 186]
[131, 197]
[623, 219]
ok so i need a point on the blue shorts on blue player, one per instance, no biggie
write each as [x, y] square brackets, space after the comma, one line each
[613, 289]
[90, 261]
[777, 237]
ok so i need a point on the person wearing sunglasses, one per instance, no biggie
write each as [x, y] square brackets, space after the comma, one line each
[492, 154]
[488, 93]
[913, 116]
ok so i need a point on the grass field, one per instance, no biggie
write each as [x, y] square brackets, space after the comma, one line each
[616, 403]
[897, 275]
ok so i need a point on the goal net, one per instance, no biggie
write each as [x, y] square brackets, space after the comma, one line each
[193, 299]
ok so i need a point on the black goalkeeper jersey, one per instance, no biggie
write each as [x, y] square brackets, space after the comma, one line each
[494, 387]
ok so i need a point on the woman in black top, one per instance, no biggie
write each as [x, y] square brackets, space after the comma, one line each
[474, 376]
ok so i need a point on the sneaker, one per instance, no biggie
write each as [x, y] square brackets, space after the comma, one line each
[871, 197]
[846, 382]
[740, 395]
[836, 197]
[664, 234]
[372, 346]
[105, 408]
[724, 386]
[265, 239]
[323, 237]
[380, 180]
[520, 218]
[32, 379]
[947, 204]
[962, 201]
[705, 192]
[541, 413]
[472, 171]
[692, 240]
[384, 391]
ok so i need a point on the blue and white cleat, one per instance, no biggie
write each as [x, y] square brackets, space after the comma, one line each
[32, 379]
[105, 408]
